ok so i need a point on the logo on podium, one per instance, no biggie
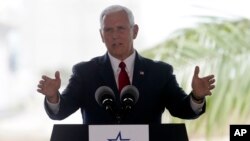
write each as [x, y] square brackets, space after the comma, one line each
[118, 133]
[119, 138]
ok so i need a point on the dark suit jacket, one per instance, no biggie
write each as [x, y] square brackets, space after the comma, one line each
[155, 81]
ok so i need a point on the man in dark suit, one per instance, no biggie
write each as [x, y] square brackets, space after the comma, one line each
[155, 81]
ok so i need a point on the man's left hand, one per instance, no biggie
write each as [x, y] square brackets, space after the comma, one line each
[202, 86]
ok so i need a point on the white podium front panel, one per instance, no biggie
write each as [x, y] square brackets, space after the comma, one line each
[118, 133]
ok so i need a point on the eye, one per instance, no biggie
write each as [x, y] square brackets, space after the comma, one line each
[108, 30]
[121, 28]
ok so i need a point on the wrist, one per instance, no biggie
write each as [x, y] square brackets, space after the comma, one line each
[197, 99]
[53, 99]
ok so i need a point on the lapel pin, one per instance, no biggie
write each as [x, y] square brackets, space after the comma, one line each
[141, 72]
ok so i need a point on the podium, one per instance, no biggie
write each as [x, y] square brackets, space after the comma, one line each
[156, 132]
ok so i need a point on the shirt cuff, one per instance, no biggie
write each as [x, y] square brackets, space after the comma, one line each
[197, 108]
[54, 107]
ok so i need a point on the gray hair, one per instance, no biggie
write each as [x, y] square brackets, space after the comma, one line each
[116, 8]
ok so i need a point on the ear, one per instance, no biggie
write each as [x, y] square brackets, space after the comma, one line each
[135, 30]
[100, 30]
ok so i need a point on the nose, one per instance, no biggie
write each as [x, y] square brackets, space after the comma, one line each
[115, 34]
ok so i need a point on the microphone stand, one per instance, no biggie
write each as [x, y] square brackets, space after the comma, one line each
[118, 118]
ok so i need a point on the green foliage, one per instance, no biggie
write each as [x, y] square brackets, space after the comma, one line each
[220, 47]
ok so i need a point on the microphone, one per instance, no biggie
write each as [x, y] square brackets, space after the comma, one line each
[105, 97]
[128, 97]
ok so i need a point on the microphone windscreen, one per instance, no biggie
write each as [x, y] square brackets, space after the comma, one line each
[103, 92]
[131, 92]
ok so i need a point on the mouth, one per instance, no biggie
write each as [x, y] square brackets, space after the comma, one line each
[117, 44]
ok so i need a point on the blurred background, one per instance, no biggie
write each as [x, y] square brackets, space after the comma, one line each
[42, 36]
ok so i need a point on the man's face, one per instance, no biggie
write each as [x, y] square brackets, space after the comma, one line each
[118, 34]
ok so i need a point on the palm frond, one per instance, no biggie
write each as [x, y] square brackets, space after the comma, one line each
[221, 47]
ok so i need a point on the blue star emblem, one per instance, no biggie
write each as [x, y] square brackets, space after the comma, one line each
[119, 138]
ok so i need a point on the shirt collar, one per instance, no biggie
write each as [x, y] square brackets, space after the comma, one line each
[129, 61]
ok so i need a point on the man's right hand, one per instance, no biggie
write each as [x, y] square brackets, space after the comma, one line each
[49, 87]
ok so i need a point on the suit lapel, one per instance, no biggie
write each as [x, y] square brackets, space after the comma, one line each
[106, 73]
[140, 71]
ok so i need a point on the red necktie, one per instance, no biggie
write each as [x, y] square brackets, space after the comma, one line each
[123, 78]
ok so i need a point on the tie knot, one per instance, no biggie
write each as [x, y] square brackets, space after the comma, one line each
[122, 65]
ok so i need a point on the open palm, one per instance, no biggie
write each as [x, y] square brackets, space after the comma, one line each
[49, 87]
[202, 86]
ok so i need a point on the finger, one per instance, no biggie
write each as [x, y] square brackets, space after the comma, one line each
[44, 77]
[209, 77]
[196, 71]
[41, 82]
[211, 81]
[57, 75]
[39, 85]
[40, 91]
[211, 87]
[209, 93]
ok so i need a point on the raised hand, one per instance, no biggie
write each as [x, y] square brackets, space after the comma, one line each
[202, 86]
[49, 87]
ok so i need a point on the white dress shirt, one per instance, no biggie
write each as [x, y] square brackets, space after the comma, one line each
[129, 66]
